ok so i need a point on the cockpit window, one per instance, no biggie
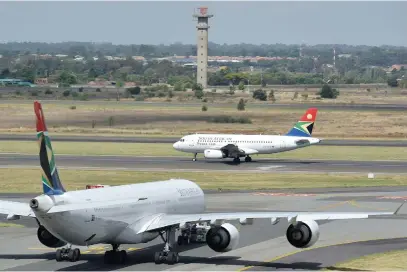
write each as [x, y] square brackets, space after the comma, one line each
[182, 140]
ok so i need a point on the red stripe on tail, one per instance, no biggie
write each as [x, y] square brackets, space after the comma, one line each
[40, 121]
[310, 115]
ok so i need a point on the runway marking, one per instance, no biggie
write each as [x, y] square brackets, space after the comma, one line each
[350, 202]
[308, 249]
[270, 167]
[282, 194]
[392, 197]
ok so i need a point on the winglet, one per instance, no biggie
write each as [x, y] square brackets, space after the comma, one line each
[50, 178]
[304, 127]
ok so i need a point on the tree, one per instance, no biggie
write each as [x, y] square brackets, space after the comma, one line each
[392, 81]
[327, 92]
[198, 90]
[241, 86]
[241, 105]
[259, 94]
[178, 87]
[134, 90]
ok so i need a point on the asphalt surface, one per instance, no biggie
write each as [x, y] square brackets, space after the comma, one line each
[171, 140]
[203, 165]
[261, 245]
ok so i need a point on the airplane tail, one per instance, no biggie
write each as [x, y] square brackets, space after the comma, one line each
[304, 127]
[50, 179]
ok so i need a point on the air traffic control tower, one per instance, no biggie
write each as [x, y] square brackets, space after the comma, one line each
[202, 45]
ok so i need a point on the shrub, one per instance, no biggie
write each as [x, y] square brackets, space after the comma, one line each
[72, 107]
[80, 89]
[295, 96]
[204, 108]
[259, 94]
[327, 92]
[66, 93]
[135, 90]
[230, 119]
[48, 91]
[241, 105]
[98, 90]
[304, 96]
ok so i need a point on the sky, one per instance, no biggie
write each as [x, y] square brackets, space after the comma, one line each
[153, 22]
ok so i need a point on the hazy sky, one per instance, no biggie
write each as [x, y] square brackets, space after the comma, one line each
[369, 23]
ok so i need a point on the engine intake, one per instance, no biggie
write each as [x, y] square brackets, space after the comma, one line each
[47, 239]
[303, 234]
[223, 238]
[214, 154]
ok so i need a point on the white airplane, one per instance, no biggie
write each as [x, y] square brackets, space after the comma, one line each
[219, 146]
[139, 213]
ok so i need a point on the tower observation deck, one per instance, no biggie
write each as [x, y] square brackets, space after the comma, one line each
[202, 45]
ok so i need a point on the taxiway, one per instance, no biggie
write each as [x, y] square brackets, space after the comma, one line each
[171, 140]
[262, 246]
[186, 164]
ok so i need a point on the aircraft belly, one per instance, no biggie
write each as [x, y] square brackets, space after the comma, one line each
[79, 229]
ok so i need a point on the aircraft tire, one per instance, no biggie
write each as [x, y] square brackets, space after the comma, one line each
[58, 255]
[158, 257]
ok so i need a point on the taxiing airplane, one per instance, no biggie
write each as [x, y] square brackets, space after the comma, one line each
[139, 213]
[219, 146]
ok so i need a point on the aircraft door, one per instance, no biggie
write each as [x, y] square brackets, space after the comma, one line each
[283, 145]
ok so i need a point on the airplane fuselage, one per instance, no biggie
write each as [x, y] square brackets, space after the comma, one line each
[260, 144]
[111, 225]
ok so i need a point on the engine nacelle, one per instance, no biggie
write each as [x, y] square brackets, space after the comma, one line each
[214, 154]
[47, 239]
[303, 234]
[223, 238]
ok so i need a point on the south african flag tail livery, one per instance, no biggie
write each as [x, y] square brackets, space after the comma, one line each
[303, 128]
[50, 178]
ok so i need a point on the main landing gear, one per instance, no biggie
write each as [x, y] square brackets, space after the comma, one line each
[194, 159]
[247, 159]
[167, 256]
[68, 254]
[115, 256]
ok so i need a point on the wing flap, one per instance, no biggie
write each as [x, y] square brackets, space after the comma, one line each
[14, 209]
[215, 218]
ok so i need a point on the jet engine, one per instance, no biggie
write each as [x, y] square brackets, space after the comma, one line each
[214, 154]
[223, 238]
[47, 239]
[303, 234]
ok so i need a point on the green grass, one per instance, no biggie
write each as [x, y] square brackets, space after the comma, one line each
[28, 180]
[388, 261]
[142, 149]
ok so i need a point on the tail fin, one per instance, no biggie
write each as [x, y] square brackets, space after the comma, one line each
[303, 128]
[50, 178]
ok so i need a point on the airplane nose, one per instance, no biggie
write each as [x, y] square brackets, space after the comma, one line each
[175, 145]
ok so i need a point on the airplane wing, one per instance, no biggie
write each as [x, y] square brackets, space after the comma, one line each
[165, 220]
[14, 208]
[232, 150]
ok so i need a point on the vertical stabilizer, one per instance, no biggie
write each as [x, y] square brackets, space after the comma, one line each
[304, 127]
[50, 178]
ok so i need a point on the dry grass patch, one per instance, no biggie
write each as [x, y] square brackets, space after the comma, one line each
[153, 120]
[388, 261]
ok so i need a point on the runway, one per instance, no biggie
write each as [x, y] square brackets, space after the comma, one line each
[226, 165]
[262, 246]
[171, 140]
